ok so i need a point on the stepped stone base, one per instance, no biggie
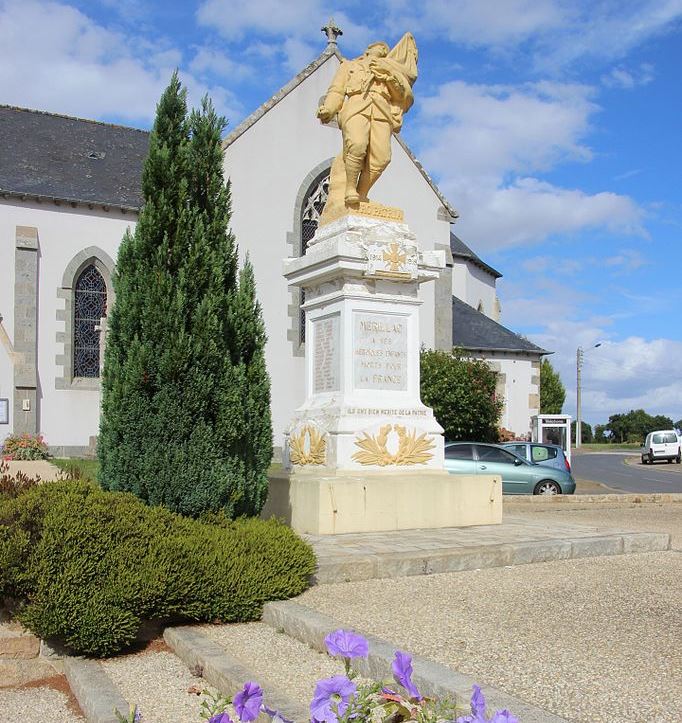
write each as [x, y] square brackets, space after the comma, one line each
[326, 504]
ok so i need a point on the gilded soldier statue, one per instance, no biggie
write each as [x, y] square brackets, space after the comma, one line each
[370, 94]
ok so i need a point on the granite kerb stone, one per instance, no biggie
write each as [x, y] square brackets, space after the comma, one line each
[212, 662]
[97, 695]
[433, 679]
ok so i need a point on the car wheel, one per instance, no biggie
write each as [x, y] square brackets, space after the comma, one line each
[678, 459]
[547, 487]
[651, 458]
[644, 460]
[670, 461]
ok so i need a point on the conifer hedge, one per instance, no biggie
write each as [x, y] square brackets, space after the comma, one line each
[86, 567]
[185, 392]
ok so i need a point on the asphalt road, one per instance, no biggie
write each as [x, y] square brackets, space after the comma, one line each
[611, 470]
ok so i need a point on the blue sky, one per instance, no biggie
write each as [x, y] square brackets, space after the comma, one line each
[553, 126]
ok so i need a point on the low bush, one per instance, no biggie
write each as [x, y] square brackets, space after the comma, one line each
[24, 447]
[88, 566]
[12, 483]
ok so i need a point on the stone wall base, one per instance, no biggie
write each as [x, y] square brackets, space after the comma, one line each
[323, 504]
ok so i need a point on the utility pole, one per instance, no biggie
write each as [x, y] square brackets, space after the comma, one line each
[579, 356]
[578, 414]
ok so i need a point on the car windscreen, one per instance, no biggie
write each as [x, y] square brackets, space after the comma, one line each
[460, 451]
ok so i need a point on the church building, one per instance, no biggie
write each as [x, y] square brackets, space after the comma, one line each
[69, 188]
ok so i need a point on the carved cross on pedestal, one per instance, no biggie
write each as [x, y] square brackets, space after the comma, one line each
[332, 31]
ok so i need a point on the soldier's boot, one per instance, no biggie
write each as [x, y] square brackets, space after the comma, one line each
[353, 167]
[368, 178]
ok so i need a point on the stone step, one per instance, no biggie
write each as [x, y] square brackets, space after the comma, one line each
[433, 679]
[17, 643]
[225, 672]
[517, 541]
[289, 664]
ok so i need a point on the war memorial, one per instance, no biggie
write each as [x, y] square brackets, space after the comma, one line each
[362, 452]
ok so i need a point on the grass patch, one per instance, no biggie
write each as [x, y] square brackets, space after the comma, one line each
[84, 468]
[610, 447]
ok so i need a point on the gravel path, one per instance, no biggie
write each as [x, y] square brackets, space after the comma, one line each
[547, 659]
[37, 703]
[286, 663]
[595, 639]
[637, 518]
[158, 683]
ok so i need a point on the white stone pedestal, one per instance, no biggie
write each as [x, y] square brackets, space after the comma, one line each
[363, 453]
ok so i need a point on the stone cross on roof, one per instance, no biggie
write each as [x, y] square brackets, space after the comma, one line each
[332, 31]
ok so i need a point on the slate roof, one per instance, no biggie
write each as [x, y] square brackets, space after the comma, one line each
[461, 250]
[472, 329]
[45, 155]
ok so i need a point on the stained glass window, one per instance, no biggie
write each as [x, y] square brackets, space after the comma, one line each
[90, 305]
[313, 205]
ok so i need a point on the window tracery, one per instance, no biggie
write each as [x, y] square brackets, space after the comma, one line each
[90, 305]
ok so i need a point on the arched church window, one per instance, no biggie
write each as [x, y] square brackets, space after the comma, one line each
[90, 305]
[311, 210]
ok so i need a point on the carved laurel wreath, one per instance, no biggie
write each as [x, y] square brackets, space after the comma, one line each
[412, 449]
[317, 446]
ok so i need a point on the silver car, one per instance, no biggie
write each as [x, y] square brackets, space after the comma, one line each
[548, 455]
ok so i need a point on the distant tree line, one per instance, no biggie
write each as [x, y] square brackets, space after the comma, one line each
[630, 427]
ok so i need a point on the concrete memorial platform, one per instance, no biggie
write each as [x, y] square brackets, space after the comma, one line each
[363, 453]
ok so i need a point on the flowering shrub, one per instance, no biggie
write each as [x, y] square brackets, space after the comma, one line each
[24, 446]
[340, 699]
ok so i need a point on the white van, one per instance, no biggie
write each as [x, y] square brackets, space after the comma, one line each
[664, 444]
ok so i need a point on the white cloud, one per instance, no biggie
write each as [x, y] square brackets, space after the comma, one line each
[75, 66]
[478, 22]
[557, 33]
[627, 260]
[482, 141]
[219, 63]
[298, 54]
[621, 374]
[619, 77]
[234, 18]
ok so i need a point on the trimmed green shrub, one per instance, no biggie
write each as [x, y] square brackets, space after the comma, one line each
[88, 566]
[462, 394]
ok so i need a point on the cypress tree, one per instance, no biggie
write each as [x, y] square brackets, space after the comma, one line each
[185, 405]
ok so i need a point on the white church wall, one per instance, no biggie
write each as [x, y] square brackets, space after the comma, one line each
[7, 245]
[481, 289]
[66, 417]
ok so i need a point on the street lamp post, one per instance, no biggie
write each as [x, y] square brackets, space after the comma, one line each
[579, 354]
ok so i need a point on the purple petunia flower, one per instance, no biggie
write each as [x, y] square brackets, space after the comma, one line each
[248, 701]
[346, 644]
[275, 715]
[402, 673]
[504, 716]
[220, 718]
[477, 702]
[331, 699]
[478, 711]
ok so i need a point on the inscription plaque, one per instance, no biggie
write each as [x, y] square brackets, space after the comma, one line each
[326, 374]
[380, 351]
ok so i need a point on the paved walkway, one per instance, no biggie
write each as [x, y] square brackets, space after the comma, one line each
[518, 540]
